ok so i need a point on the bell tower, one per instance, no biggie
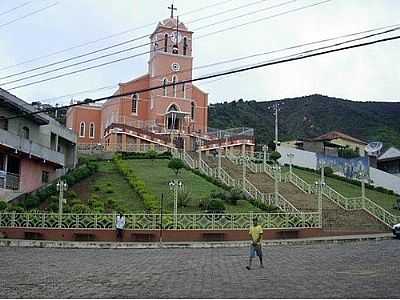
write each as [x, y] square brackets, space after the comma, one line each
[171, 62]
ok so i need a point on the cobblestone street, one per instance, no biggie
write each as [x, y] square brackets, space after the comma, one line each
[349, 270]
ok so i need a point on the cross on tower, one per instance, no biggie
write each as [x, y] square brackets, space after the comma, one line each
[172, 8]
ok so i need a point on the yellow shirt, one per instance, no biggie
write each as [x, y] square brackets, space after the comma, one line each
[255, 232]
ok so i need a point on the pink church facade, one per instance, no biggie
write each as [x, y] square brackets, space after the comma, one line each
[168, 111]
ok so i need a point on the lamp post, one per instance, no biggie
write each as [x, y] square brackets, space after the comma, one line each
[319, 186]
[243, 159]
[290, 156]
[322, 163]
[174, 186]
[265, 149]
[276, 168]
[219, 162]
[362, 176]
[61, 187]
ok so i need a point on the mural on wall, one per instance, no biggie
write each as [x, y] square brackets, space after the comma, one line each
[350, 168]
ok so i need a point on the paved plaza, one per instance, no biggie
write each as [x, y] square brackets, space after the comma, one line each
[345, 270]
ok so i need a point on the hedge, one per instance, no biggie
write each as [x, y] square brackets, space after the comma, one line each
[151, 202]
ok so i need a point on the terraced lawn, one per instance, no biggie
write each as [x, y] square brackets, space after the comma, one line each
[350, 190]
[157, 175]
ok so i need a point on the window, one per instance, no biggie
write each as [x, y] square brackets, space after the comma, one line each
[165, 92]
[45, 177]
[174, 80]
[91, 130]
[25, 132]
[135, 103]
[185, 46]
[183, 91]
[166, 42]
[193, 108]
[3, 123]
[82, 129]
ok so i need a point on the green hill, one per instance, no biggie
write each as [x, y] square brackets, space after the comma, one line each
[310, 116]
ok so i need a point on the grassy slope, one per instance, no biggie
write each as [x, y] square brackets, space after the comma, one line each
[156, 175]
[108, 178]
[350, 190]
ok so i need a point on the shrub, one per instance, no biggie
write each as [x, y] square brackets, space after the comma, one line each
[80, 208]
[216, 206]
[96, 188]
[275, 156]
[3, 205]
[176, 165]
[328, 171]
[184, 198]
[109, 191]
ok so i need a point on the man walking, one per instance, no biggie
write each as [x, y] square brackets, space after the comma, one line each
[256, 233]
[120, 224]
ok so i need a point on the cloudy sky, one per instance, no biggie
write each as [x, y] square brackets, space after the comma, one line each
[365, 74]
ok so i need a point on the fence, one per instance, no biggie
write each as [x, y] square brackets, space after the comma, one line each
[100, 148]
[153, 221]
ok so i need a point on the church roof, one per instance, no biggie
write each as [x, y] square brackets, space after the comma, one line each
[390, 154]
[171, 23]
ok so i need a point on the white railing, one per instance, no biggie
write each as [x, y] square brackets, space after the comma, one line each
[114, 147]
[255, 193]
[226, 178]
[284, 204]
[189, 160]
[207, 169]
[157, 221]
[299, 183]
[380, 213]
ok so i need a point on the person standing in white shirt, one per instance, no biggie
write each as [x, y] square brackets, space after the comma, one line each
[120, 224]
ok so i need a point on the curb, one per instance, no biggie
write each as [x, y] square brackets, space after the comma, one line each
[192, 245]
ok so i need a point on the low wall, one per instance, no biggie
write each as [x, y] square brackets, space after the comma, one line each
[386, 180]
[301, 158]
[167, 235]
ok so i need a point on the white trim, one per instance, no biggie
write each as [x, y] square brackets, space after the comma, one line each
[136, 112]
[169, 106]
[94, 130]
[80, 129]
[165, 88]
[174, 85]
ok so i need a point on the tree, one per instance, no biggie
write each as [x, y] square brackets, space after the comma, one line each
[176, 164]
[275, 156]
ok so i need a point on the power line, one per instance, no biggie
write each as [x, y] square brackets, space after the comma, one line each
[93, 52]
[28, 15]
[15, 8]
[225, 73]
[262, 54]
[265, 18]
[105, 38]
[246, 14]
[129, 57]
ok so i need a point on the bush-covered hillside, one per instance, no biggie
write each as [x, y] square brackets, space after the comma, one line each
[311, 116]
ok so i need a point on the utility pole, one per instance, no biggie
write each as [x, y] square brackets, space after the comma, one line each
[276, 109]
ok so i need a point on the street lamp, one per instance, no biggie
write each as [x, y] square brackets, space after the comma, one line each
[61, 187]
[265, 149]
[174, 186]
[290, 156]
[363, 177]
[276, 169]
[243, 161]
[322, 164]
[319, 186]
[219, 161]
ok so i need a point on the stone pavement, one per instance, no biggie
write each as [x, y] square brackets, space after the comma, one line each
[366, 269]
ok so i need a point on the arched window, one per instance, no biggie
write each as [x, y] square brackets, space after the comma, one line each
[166, 42]
[25, 132]
[165, 92]
[91, 130]
[173, 108]
[135, 103]
[183, 90]
[174, 80]
[185, 46]
[192, 112]
[82, 129]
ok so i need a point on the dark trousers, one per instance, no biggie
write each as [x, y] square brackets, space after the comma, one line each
[120, 233]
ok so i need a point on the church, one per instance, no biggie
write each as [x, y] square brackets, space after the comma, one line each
[171, 113]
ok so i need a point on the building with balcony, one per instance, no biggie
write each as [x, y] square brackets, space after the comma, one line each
[169, 112]
[34, 148]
